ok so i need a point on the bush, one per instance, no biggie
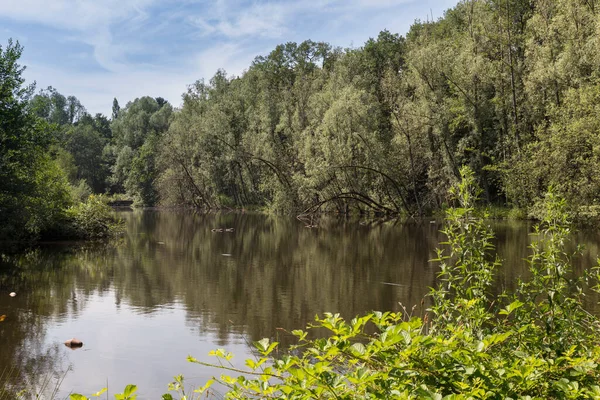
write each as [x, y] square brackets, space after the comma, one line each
[81, 191]
[516, 214]
[93, 219]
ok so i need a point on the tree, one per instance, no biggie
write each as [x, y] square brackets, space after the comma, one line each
[136, 134]
[55, 108]
[160, 101]
[86, 144]
[115, 109]
[34, 192]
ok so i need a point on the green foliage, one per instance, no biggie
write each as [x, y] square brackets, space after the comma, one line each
[467, 270]
[553, 297]
[115, 109]
[21, 142]
[86, 144]
[93, 219]
[128, 393]
[66, 162]
[35, 172]
[34, 191]
[494, 85]
[136, 133]
[562, 93]
[81, 191]
[516, 214]
[46, 208]
[78, 139]
[55, 108]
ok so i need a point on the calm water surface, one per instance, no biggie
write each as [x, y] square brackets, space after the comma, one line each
[174, 288]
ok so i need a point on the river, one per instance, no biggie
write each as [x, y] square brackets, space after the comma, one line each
[176, 285]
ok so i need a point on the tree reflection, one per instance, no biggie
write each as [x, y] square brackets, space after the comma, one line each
[279, 274]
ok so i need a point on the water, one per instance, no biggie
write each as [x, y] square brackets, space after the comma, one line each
[173, 287]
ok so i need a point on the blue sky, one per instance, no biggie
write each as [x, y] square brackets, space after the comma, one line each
[100, 49]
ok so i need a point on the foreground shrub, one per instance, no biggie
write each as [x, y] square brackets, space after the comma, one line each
[537, 343]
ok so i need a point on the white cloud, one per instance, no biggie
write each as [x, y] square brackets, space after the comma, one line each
[229, 56]
[259, 19]
[205, 27]
[267, 19]
[89, 20]
[378, 3]
[82, 15]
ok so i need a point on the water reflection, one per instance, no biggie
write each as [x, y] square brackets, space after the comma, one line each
[174, 287]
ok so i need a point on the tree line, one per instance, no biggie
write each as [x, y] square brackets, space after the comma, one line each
[509, 88]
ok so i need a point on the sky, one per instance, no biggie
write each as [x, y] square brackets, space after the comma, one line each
[100, 49]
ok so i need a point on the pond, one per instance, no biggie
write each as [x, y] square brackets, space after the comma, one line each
[176, 285]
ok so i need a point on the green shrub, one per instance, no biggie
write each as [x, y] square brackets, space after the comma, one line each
[81, 191]
[118, 197]
[93, 219]
[516, 214]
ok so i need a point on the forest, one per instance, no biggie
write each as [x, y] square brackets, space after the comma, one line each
[509, 88]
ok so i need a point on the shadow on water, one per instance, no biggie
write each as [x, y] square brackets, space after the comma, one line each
[177, 285]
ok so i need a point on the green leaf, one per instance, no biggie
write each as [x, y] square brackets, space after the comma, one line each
[511, 307]
[406, 337]
[358, 348]
[205, 387]
[271, 347]
[129, 390]
[76, 396]
[98, 394]
[480, 347]
[262, 344]
[301, 335]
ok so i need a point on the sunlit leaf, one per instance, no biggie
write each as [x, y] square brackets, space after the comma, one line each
[129, 390]
[98, 394]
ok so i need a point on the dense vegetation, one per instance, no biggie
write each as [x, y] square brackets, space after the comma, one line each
[36, 197]
[507, 87]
